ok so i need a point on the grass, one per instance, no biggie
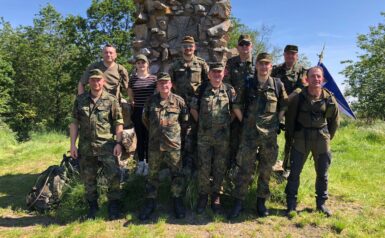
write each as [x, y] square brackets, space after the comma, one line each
[356, 196]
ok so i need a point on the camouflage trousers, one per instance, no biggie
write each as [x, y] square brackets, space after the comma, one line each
[189, 144]
[91, 166]
[265, 151]
[173, 161]
[213, 157]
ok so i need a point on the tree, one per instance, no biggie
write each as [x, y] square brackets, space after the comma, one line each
[366, 77]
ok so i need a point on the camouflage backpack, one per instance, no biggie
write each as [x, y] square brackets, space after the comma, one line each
[51, 185]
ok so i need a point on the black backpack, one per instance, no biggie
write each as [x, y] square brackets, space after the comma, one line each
[51, 184]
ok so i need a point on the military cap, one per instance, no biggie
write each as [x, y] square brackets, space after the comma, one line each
[216, 66]
[163, 76]
[96, 73]
[292, 48]
[244, 38]
[188, 40]
[266, 57]
[141, 57]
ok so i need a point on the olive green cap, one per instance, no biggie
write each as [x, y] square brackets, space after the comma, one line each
[163, 76]
[141, 57]
[216, 66]
[244, 38]
[266, 57]
[96, 73]
[292, 48]
[188, 40]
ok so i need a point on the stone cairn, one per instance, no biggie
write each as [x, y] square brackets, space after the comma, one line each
[160, 26]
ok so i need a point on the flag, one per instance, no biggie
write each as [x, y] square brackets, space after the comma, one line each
[331, 85]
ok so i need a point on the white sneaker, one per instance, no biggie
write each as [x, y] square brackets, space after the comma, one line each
[140, 168]
[145, 169]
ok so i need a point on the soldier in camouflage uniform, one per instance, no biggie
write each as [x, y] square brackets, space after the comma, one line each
[187, 74]
[116, 78]
[266, 104]
[212, 109]
[163, 114]
[238, 72]
[292, 75]
[311, 121]
[97, 117]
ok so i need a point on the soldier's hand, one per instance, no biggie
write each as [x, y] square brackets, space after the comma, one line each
[117, 150]
[74, 152]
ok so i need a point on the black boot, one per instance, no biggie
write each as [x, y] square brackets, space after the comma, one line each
[113, 210]
[148, 209]
[236, 210]
[93, 208]
[291, 204]
[215, 202]
[261, 208]
[179, 209]
[321, 207]
[202, 203]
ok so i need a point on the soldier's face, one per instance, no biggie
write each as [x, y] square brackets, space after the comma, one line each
[290, 57]
[263, 68]
[315, 78]
[164, 86]
[216, 77]
[96, 84]
[188, 49]
[244, 47]
[109, 54]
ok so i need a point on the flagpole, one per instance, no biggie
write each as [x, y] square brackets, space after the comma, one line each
[321, 55]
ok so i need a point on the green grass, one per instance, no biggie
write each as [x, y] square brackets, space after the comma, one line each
[356, 196]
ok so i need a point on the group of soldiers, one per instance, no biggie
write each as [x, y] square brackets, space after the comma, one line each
[203, 117]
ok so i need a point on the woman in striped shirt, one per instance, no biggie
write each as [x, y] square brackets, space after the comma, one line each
[142, 85]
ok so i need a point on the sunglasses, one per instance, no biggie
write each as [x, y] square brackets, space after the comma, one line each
[244, 43]
[187, 46]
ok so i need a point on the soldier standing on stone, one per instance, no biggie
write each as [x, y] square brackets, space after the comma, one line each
[187, 74]
[212, 108]
[311, 121]
[163, 114]
[116, 78]
[238, 72]
[292, 75]
[97, 118]
[266, 104]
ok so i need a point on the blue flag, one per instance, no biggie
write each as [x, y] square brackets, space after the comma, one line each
[331, 85]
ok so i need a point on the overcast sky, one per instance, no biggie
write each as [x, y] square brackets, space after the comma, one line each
[308, 24]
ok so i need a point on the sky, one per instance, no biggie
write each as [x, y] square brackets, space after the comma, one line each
[306, 23]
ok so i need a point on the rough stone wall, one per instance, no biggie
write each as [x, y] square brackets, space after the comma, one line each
[160, 26]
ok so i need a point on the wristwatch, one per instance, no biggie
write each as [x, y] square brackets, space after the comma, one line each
[119, 143]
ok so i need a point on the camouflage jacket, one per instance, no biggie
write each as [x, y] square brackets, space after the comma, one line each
[304, 112]
[238, 74]
[293, 78]
[97, 123]
[186, 78]
[214, 107]
[116, 77]
[162, 119]
[263, 106]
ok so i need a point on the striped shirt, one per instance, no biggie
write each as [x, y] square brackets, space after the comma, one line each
[142, 88]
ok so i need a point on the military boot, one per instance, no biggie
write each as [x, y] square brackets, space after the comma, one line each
[148, 209]
[93, 208]
[202, 203]
[113, 210]
[236, 210]
[179, 209]
[215, 202]
[261, 208]
[321, 207]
